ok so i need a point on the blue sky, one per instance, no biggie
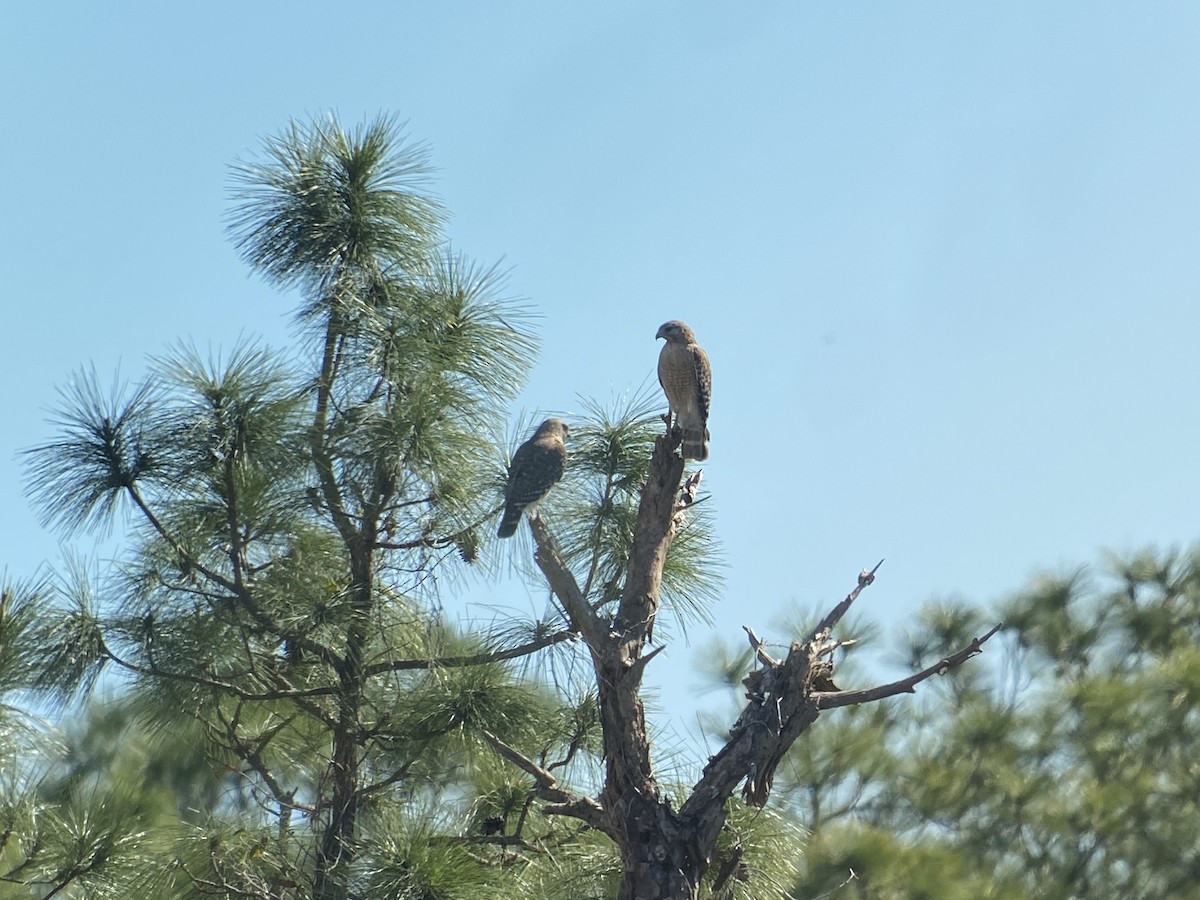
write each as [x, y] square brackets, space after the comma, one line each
[942, 255]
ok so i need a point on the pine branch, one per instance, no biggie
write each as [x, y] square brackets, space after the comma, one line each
[241, 591]
[299, 696]
[236, 552]
[563, 802]
[606, 500]
[429, 541]
[252, 756]
[474, 659]
[182, 552]
[396, 775]
[321, 457]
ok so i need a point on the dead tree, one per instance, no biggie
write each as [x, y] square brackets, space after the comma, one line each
[665, 851]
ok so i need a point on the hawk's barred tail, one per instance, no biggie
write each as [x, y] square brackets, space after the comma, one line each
[694, 444]
[508, 525]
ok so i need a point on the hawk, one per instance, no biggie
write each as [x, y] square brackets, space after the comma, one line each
[536, 467]
[686, 379]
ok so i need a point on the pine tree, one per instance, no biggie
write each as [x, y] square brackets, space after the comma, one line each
[287, 517]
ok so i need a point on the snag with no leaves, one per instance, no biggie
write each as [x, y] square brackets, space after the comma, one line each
[668, 847]
[686, 379]
[537, 466]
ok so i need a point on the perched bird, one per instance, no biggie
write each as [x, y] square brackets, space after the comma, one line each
[536, 467]
[686, 379]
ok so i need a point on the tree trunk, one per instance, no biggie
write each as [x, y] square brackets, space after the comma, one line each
[657, 853]
[658, 860]
[336, 853]
[337, 843]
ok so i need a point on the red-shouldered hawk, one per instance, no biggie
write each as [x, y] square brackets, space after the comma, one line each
[686, 379]
[536, 467]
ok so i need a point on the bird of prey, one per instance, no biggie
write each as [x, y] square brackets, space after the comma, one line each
[536, 467]
[686, 379]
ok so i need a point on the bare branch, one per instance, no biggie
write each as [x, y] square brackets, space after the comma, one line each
[756, 644]
[865, 579]
[639, 664]
[781, 708]
[731, 868]
[832, 700]
[549, 559]
[691, 487]
[846, 883]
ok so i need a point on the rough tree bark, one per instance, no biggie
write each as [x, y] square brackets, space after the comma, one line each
[665, 852]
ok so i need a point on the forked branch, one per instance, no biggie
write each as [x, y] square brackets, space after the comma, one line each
[546, 787]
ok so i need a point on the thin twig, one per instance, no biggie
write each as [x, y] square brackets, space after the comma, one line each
[835, 615]
[474, 659]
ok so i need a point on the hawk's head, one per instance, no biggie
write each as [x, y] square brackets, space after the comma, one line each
[556, 427]
[675, 332]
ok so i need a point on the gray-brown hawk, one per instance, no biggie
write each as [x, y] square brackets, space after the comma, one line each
[686, 379]
[537, 466]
